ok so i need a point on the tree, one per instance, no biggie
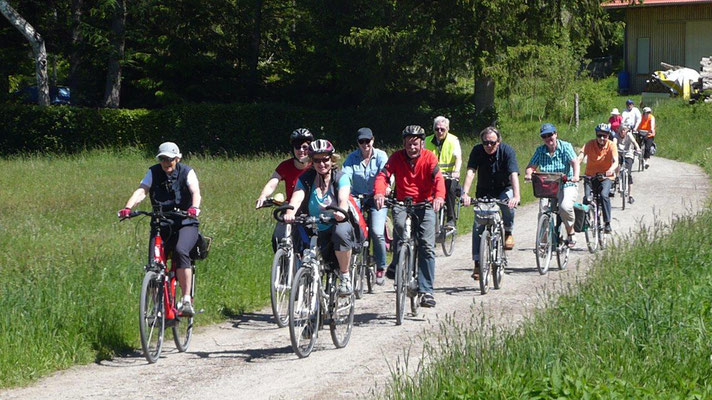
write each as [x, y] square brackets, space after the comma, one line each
[38, 49]
[118, 40]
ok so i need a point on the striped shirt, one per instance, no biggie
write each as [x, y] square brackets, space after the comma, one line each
[560, 161]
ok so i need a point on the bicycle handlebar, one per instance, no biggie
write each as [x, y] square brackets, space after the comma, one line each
[390, 202]
[271, 202]
[157, 214]
[278, 214]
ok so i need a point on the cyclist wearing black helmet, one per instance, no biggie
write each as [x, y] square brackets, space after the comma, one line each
[288, 171]
[602, 158]
[417, 175]
[319, 187]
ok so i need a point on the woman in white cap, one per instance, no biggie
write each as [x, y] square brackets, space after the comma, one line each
[615, 120]
[647, 124]
[172, 185]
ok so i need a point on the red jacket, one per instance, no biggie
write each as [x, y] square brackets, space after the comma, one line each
[422, 182]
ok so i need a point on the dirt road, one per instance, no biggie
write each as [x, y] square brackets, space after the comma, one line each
[252, 358]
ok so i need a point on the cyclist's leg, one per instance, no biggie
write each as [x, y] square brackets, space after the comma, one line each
[605, 189]
[425, 227]
[629, 167]
[378, 239]
[343, 238]
[476, 233]
[187, 238]
[587, 196]
[278, 234]
[648, 145]
[507, 213]
[567, 198]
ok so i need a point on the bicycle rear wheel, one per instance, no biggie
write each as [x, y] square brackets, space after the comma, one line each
[304, 312]
[402, 281]
[448, 243]
[183, 326]
[485, 261]
[544, 243]
[280, 286]
[593, 229]
[151, 316]
[341, 314]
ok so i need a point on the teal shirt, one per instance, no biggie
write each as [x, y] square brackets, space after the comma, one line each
[317, 203]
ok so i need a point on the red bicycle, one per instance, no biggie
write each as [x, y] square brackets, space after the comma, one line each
[160, 292]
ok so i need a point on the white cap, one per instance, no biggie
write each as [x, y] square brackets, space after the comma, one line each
[169, 149]
[615, 112]
[647, 109]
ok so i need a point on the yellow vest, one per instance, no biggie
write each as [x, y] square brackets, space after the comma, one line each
[444, 152]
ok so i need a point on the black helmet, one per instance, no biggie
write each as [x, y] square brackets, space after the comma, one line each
[301, 135]
[414, 130]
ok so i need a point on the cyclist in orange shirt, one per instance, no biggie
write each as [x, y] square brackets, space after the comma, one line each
[602, 158]
[647, 123]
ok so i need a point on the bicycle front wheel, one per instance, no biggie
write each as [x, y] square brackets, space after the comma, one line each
[602, 237]
[544, 243]
[448, 243]
[402, 281]
[152, 317]
[498, 258]
[358, 272]
[280, 286]
[562, 251]
[485, 261]
[413, 283]
[304, 312]
[592, 232]
[183, 326]
[342, 314]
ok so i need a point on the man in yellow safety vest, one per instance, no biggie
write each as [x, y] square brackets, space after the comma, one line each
[446, 147]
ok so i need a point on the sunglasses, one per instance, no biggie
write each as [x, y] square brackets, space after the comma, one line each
[166, 159]
[602, 135]
[364, 141]
[323, 160]
[440, 129]
[547, 135]
[304, 147]
[489, 142]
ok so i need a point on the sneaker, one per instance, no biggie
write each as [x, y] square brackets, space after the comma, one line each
[427, 300]
[647, 165]
[391, 272]
[571, 241]
[631, 200]
[186, 309]
[607, 228]
[380, 277]
[476, 273]
[508, 241]
[345, 288]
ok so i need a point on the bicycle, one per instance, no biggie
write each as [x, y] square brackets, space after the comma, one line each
[493, 257]
[640, 138]
[160, 291]
[445, 234]
[549, 238]
[406, 277]
[623, 186]
[314, 298]
[283, 269]
[595, 236]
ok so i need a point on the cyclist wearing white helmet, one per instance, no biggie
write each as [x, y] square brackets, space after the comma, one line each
[418, 176]
[647, 124]
[602, 158]
[317, 188]
[288, 171]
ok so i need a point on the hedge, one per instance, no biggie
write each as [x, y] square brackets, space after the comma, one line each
[228, 129]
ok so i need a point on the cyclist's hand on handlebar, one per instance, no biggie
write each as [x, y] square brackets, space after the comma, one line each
[465, 199]
[528, 178]
[124, 213]
[455, 175]
[575, 179]
[437, 203]
[193, 212]
[338, 216]
[513, 202]
[260, 201]
[610, 173]
[380, 200]
[289, 216]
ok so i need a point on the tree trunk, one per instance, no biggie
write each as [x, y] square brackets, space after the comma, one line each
[485, 113]
[38, 49]
[75, 58]
[254, 57]
[118, 39]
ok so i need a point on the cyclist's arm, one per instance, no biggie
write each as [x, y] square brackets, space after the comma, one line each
[652, 126]
[531, 168]
[458, 161]
[614, 165]
[137, 196]
[269, 188]
[344, 192]
[295, 202]
[469, 177]
[576, 165]
[514, 179]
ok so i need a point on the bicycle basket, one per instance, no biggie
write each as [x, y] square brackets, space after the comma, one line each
[202, 247]
[581, 223]
[487, 213]
[546, 186]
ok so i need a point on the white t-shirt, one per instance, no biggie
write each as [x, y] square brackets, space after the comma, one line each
[631, 118]
[148, 179]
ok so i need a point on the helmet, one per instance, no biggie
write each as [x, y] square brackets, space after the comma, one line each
[603, 127]
[301, 135]
[414, 130]
[647, 110]
[320, 146]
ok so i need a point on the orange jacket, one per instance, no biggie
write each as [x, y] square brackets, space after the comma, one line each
[647, 123]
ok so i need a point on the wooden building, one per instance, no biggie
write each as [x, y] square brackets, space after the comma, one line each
[676, 32]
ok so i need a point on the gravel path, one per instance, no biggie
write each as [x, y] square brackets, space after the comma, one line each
[252, 358]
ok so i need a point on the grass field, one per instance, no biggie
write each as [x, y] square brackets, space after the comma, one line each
[71, 272]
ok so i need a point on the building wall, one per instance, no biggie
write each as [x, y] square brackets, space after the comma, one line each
[665, 27]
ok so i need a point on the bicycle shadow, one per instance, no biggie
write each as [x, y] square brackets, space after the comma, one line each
[254, 321]
[248, 355]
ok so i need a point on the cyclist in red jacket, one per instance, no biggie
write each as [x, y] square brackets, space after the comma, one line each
[416, 175]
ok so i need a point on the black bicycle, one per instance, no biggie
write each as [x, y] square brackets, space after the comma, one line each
[493, 257]
[445, 234]
[595, 236]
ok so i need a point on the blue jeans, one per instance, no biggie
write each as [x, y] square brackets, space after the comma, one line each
[507, 218]
[376, 230]
[423, 225]
[604, 187]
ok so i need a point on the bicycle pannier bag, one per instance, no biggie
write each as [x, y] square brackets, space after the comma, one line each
[486, 213]
[202, 247]
[546, 185]
[581, 223]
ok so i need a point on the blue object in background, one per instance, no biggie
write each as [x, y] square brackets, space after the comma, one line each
[623, 82]
[58, 95]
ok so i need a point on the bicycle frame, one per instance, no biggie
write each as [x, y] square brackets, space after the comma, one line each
[158, 263]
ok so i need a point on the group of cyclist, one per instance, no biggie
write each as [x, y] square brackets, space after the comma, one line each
[426, 169]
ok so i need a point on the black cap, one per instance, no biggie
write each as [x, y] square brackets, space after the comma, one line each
[364, 133]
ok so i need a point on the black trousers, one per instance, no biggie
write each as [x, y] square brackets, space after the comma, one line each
[181, 242]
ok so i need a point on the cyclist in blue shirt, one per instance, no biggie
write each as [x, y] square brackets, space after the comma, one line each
[361, 167]
[556, 155]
